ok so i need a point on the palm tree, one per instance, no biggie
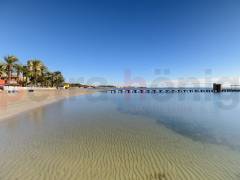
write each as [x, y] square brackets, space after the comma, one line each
[10, 62]
[57, 78]
[26, 75]
[44, 76]
[19, 69]
[35, 69]
[2, 69]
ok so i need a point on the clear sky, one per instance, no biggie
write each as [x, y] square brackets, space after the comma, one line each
[103, 38]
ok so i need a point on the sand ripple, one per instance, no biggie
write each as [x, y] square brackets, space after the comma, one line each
[112, 148]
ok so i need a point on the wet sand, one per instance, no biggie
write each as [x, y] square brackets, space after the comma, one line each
[15, 103]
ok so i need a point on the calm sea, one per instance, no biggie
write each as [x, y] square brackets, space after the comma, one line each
[125, 136]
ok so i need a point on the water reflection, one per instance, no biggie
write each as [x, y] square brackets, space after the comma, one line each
[209, 118]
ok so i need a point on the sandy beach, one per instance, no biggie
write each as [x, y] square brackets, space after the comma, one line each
[15, 103]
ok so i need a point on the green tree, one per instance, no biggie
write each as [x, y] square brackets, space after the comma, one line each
[10, 62]
[2, 69]
[57, 78]
[19, 70]
[35, 70]
[26, 75]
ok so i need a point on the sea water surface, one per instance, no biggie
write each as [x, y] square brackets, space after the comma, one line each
[125, 137]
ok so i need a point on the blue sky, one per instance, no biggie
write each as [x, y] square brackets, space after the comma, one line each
[103, 38]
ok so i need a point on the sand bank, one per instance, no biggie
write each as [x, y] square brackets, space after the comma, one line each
[15, 103]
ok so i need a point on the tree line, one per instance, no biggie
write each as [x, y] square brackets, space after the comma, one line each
[34, 73]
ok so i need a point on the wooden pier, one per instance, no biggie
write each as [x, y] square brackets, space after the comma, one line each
[171, 90]
[216, 88]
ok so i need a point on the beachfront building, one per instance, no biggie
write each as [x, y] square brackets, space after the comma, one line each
[2, 84]
[14, 80]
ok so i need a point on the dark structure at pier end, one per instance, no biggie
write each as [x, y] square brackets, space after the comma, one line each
[217, 88]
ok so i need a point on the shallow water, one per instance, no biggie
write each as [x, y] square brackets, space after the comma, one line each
[120, 136]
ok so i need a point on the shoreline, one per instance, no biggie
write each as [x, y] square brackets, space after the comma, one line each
[13, 104]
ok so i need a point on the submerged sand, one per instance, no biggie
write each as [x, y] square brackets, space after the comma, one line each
[99, 145]
[12, 104]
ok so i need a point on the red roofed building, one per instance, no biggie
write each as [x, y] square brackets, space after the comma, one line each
[2, 82]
